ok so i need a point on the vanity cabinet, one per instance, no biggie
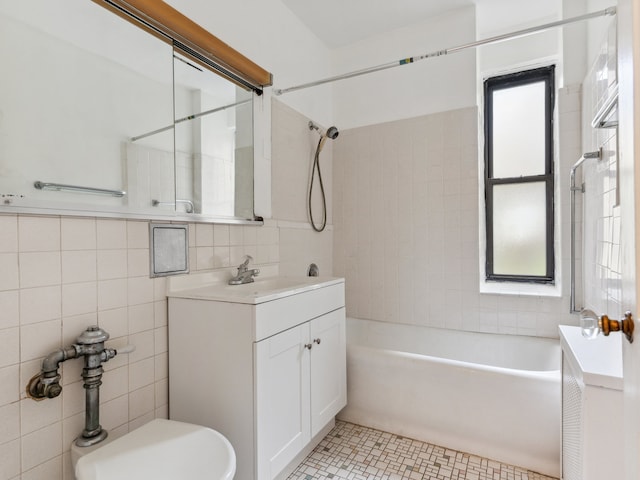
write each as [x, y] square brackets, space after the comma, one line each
[300, 386]
[269, 375]
[592, 405]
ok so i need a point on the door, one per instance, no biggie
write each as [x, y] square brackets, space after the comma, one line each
[629, 158]
[282, 399]
[328, 368]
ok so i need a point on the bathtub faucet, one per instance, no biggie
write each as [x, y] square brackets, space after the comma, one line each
[244, 275]
[46, 383]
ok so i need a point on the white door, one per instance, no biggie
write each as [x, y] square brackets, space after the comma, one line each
[629, 164]
[282, 399]
[328, 368]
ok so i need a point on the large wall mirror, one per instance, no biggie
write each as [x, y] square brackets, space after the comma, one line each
[100, 117]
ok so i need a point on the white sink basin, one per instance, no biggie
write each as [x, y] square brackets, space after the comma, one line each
[162, 450]
[259, 291]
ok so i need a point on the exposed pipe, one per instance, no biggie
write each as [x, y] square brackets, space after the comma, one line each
[447, 51]
[49, 383]
[574, 189]
[46, 383]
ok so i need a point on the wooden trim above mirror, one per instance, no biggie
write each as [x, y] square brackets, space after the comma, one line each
[166, 22]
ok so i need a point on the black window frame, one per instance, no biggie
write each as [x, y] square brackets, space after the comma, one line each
[546, 75]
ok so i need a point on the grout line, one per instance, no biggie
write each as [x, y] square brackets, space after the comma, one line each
[352, 451]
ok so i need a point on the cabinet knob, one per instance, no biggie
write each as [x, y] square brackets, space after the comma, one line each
[316, 340]
[308, 345]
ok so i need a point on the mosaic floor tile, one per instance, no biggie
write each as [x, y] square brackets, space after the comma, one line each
[353, 452]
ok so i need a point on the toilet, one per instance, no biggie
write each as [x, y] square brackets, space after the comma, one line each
[162, 450]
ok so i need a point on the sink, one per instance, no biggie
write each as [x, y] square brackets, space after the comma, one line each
[162, 450]
[260, 291]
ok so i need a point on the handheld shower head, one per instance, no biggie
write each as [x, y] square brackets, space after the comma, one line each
[331, 132]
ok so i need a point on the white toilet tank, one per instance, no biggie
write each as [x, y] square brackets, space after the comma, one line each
[161, 450]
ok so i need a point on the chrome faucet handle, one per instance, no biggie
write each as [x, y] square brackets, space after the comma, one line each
[243, 267]
[244, 275]
[109, 353]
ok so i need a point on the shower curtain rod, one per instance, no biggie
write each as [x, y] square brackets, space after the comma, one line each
[189, 117]
[447, 51]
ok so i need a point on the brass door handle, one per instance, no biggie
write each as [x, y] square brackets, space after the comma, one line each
[592, 324]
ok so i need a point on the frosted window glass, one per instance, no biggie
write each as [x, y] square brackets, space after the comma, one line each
[519, 229]
[519, 131]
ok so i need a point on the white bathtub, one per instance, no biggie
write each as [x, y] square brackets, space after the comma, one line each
[496, 396]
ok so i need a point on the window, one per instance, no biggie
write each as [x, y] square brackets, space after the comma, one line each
[519, 176]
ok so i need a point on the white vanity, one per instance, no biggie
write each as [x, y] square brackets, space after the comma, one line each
[263, 363]
[591, 405]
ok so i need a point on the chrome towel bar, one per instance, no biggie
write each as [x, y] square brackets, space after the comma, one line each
[574, 189]
[61, 187]
[187, 203]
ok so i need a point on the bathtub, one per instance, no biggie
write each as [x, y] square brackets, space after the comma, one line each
[496, 396]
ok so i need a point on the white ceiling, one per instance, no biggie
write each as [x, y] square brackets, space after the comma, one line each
[341, 22]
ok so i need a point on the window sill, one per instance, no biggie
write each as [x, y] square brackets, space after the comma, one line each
[516, 288]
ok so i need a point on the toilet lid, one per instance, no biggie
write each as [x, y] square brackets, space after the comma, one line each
[162, 450]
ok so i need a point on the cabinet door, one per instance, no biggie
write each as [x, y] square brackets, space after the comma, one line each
[282, 399]
[328, 368]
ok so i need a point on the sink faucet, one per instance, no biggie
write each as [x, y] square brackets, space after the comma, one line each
[46, 383]
[244, 275]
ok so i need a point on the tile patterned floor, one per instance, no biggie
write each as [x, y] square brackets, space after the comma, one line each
[354, 452]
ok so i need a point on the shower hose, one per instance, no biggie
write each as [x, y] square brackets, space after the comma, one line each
[316, 166]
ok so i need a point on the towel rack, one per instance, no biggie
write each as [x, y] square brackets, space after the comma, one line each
[59, 187]
[189, 204]
[574, 189]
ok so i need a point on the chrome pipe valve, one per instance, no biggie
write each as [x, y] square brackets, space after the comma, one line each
[46, 383]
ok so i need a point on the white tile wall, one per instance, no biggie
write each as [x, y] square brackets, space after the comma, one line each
[601, 229]
[62, 274]
[300, 246]
[407, 225]
[151, 175]
[293, 150]
[95, 271]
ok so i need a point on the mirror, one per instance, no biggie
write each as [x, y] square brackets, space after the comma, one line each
[214, 141]
[98, 116]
